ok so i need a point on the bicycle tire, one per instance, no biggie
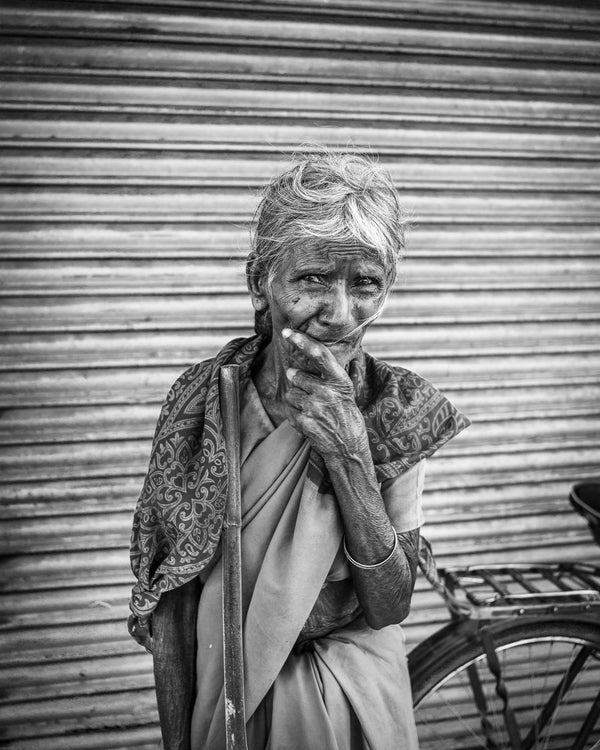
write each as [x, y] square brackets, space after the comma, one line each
[550, 675]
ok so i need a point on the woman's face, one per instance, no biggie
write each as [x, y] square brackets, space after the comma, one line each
[327, 293]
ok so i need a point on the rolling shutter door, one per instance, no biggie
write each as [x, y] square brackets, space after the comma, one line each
[134, 140]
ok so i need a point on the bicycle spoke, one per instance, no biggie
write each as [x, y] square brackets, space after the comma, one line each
[550, 679]
[482, 705]
[461, 722]
[588, 725]
[549, 710]
[535, 694]
[562, 688]
[465, 688]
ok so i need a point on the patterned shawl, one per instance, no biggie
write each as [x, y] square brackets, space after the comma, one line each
[179, 515]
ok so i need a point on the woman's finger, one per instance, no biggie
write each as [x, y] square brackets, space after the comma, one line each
[297, 398]
[315, 353]
[305, 381]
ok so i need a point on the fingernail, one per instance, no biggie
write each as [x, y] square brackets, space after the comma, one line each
[290, 372]
[286, 333]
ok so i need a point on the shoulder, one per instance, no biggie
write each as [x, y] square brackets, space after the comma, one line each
[194, 373]
[187, 396]
[407, 417]
[194, 377]
[385, 381]
[199, 375]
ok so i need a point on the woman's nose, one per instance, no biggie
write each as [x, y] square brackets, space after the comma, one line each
[337, 312]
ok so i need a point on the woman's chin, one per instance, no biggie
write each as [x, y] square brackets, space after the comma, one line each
[343, 352]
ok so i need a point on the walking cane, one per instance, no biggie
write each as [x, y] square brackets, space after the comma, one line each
[233, 654]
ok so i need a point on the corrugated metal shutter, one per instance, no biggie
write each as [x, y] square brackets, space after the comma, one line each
[134, 138]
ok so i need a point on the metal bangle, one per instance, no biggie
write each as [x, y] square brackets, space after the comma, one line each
[362, 566]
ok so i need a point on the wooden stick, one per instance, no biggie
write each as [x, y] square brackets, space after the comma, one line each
[233, 653]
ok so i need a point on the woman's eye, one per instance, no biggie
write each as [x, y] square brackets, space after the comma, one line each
[368, 281]
[313, 278]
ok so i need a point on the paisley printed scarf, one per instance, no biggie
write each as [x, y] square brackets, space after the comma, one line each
[179, 515]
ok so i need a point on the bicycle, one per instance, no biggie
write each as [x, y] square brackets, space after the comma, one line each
[518, 666]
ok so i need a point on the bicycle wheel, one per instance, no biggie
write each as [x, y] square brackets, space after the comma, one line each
[549, 674]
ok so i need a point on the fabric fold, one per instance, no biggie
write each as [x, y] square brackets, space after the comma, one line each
[290, 535]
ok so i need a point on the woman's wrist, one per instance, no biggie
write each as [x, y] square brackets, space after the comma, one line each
[349, 451]
[372, 566]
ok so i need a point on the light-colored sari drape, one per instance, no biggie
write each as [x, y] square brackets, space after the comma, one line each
[352, 691]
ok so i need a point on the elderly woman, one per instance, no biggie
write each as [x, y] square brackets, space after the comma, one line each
[332, 449]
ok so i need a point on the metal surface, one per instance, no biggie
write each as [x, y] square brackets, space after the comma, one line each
[498, 591]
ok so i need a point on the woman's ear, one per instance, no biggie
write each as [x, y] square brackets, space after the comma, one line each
[256, 286]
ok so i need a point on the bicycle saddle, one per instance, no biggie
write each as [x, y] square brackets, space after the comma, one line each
[585, 498]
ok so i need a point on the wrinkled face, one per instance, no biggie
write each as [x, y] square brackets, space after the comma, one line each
[327, 294]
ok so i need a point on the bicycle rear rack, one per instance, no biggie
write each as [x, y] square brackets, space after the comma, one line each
[496, 591]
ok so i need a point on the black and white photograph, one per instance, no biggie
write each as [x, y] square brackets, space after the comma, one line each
[300, 375]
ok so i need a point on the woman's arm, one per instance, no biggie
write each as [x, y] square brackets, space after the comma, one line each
[321, 405]
[385, 590]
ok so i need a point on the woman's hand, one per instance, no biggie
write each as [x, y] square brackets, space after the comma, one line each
[140, 631]
[321, 405]
[320, 399]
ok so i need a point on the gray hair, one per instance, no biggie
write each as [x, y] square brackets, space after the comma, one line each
[327, 199]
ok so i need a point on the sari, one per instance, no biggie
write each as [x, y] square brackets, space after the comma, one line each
[175, 551]
[351, 688]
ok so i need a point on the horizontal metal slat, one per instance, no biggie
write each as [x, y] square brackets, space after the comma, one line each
[63, 642]
[36, 609]
[95, 612]
[127, 683]
[27, 167]
[92, 496]
[239, 63]
[200, 137]
[68, 533]
[160, 97]
[66, 569]
[447, 504]
[145, 737]
[507, 468]
[524, 549]
[268, 30]
[76, 676]
[61, 716]
[492, 12]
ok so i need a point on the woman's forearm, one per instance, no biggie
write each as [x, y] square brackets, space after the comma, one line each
[384, 591]
[321, 404]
